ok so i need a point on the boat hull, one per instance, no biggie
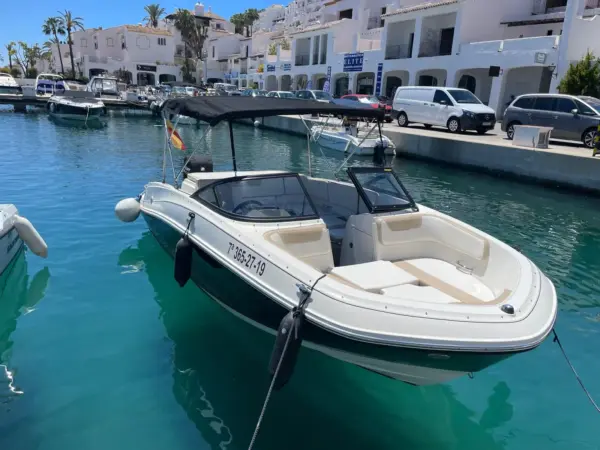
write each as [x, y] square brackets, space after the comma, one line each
[423, 366]
[335, 141]
[10, 246]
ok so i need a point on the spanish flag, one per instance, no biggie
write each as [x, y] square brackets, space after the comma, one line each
[174, 135]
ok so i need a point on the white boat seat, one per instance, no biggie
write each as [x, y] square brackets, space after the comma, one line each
[447, 279]
[373, 276]
[309, 244]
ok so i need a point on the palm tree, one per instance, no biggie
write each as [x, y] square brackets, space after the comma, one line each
[238, 20]
[11, 51]
[155, 12]
[250, 16]
[70, 24]
[193, 33]
[53, 26]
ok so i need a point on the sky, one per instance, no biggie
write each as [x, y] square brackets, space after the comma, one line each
[23, 20]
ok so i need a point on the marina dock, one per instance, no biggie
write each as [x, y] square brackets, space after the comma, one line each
[563, 164]
[21, 102]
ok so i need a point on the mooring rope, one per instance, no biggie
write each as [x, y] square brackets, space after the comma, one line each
[298, 309]
[589, 396]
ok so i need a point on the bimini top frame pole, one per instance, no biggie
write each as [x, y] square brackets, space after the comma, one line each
[232, 146]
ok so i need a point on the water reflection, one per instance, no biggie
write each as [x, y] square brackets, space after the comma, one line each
[17, 296]
[220, 379]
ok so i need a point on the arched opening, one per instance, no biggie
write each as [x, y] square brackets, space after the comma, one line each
[365, 83]
[97, 72]
[286, 83]
[468, 82]
[318, 81]
[301, 81]
[341, 85]
[428, 80]
[146, 79]
[271, 83]
[166, 77]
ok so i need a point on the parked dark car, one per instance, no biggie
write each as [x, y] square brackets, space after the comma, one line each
[572, 118]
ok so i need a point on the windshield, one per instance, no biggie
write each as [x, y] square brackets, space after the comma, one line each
[228, 87]
[463, 96]
[380, 189]
[258, 199]
[261, 93]
[322, 95]
[370, 99]
[109, 85]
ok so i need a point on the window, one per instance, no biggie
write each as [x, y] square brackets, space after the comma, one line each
[218, 26]
[345, 14]
[564, 105]
[84, 42]
[260, 199]
[585, 109]
[321, 95]
[543, 103]
[162, 41]
[549, 33]
[463, 97]
[213, 51]
[525, 103]
[440, 96]
[351, 97]
[110, 42]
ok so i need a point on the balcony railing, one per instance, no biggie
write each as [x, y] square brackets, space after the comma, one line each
[302, 60]
[373, 22]
[401, 51]
[244, 71]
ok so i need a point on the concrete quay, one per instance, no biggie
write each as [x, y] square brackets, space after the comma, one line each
[563, 164]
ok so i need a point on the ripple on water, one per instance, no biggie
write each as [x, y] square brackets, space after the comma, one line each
[110, 353]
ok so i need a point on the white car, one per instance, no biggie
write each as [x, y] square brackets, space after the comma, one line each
[281, 94]
[456, 109]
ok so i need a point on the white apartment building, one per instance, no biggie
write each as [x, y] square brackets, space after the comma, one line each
[495, 48]
[143, 55]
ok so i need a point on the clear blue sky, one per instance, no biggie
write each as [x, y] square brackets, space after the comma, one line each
[21, 20]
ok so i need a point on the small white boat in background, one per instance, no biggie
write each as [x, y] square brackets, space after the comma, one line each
[47, 84]
[8, 85]
[350, 139]
[77, 105]
[14, 231]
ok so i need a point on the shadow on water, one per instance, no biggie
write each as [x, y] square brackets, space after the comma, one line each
[17, 296]
[220, 379]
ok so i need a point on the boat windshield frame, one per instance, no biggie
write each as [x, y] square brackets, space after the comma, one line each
[375, 209]
[197, 196]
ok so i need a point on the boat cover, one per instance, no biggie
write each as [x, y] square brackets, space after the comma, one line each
[215, 109]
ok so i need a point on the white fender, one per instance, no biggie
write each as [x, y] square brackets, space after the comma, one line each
[257, 123]
[128, 210]
[30, 236]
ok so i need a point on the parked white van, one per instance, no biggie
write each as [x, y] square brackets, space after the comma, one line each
[456, 109]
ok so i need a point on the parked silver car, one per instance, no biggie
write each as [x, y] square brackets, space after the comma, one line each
[572, 118]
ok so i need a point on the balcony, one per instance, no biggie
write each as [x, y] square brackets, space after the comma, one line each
[512, 46]
[302, 60]
[373, 22]
[402, 51]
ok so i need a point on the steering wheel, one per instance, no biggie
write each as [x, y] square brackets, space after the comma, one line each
[250, 204]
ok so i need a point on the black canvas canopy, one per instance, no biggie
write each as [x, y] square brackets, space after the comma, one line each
[216, 109]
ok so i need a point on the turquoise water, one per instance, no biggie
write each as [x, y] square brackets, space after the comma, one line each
[107, 352]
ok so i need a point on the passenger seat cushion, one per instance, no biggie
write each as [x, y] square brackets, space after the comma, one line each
[374, 276]
[309, 244]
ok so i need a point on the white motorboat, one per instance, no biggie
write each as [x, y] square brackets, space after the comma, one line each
[79, 106]
[350, 139]
[14, 231]
[8, 85]
[104, 87]
[356, 269]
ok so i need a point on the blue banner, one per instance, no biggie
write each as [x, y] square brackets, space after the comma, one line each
[378, 79]
[353, 62]
[270, 67]
[327, 84]
[286, 67]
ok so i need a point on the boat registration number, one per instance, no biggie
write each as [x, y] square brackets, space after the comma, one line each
[247, 259]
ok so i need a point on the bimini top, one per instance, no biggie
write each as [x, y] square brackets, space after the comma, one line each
[215, 109]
